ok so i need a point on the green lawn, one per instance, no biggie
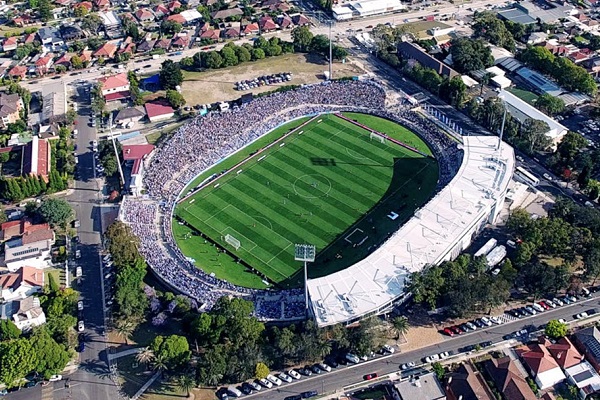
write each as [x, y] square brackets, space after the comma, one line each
[332, 186]
[525, 95]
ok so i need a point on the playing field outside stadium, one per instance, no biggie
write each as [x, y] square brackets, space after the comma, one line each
[329, 182]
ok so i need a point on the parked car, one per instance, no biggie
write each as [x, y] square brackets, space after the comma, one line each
[448, 332]
[479, 323]
[530, 310]
[309, 394]
[315, 369]
[255, 386]
[293, 374]
[485, 344]
[407, 366]
[284, 377]
[55, 378]
[538, 307]
[265, 383]
[386, 349]
[324, 367]
[471, 326]
[496, 320]
[581, 315]
[432, 358]
[443, 355]
[305, 371]
[456, 330]
[80, 305]
[80, 326]
[486, 321]
[368, 377]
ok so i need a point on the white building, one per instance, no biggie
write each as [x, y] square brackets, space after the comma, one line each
[520, 110]
[18, 285]
[25, 313]
[35, 254]
[437, 232]
[585, 377]
[366, 8]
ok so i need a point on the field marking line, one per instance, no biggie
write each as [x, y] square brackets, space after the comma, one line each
[277, 255]
[215, 214]
[239, 235]
[251, 217]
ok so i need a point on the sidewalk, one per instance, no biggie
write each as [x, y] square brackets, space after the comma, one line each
[124, 353]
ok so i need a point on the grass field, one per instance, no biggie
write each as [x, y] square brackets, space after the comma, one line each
[525, 95]
[332, 186]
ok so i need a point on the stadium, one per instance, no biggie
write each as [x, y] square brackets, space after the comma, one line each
[227, 178]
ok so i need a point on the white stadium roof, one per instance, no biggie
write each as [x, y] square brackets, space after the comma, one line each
[437, 232]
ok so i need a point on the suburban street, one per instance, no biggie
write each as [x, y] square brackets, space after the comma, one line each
[345, 376]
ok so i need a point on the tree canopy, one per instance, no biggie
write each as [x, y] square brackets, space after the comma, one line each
[470, 55]
[174, 350]
[170, 75]
[57, 212]
[556, 329]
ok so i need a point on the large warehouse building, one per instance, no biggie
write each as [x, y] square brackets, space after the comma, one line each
[439, 231]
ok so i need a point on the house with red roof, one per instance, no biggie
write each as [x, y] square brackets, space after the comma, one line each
[115, 87]
[107, 50]
[102, 5]
[251, 29]
[267, 24]
[160, 10]
[144, 15]
[86, 56]
[29, 38]
[43, 64]
[285, 22]
[127, 48]
[10, 43]
[145, 46]
[18, 72]
[25, 282]
[180, 42]
[232, 33]
[37, 159]
[508, 379]
[24, 227]
[177, 18]
[564, 352]
[87, 5]
[158, 111]
[173, 6]
[300, 20]
[163, 43]
[213, 34]
[135, 155]
[542, 366]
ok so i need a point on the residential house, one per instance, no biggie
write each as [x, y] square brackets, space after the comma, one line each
[285, 22]
[24, 20]
[43, 64]
[467, 383]
[423, 387]
[541, 364]
[222, 15]
[145, 46]
[26, 313]
[280, 7]
[163, 43]
[86, 56]
[212, 34]
[87, 5]
[115, 87]
[251, 29]
[177, 18]
[102, 5]
[593, 66]
[64, 60]
[190, 16]
[127, 47]
[300, 20]
[71, 32]
[36, 254]
[588, 342]
[37, 158]
[18, 285]
[10, 43]
[107, 51]
[232, 33]
[130, 115]
[18, 72]
[144, 15]
[10, 107]
[508, 380]
[158, 111]
[173, 6]
[160, 11]
[30, 38]
[267, 24]
[50, 37]
[180, 42]
[585, 378]
[564, 352]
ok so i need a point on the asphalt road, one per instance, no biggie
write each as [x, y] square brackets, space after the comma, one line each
[345, 376]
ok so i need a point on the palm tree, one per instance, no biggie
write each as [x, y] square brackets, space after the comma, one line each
[146, 356]
[185, 382]
[400, 325]
[124, 329]
[160, 364]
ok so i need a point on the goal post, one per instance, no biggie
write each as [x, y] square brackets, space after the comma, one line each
[233, 241]
[377, 137]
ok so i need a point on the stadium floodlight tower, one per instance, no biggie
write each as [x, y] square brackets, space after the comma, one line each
[305, 253]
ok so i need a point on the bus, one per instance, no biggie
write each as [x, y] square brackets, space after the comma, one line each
[526, 176]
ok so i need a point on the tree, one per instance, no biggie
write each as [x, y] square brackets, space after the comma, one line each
[80, 11]
[454, 91]
[591, 261]
[470, 54]
[533, 133]
[125, 329]
[53, 286]
[45, 10]
[261, 371]
[170, 75]
[185, 383]
[229, 57]
[4, 157]
[122, 244]
[175, 99]
[51, 356]
[8, 330]
[92, 23]
[17, 359]
[213, 60]
[76, 62]
[549, 104]
[570, 146]
[242, 54]
[130, 299]
[400, 325]
[439, 370]
[171, 27]
[488, 26]
[320, 45]
[173, 349]
[258, 54]
[145, 356]
[556, 329]
[302, 38]
[57, 212]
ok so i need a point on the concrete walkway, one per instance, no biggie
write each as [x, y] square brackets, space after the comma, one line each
[146, 385]
[124, 353]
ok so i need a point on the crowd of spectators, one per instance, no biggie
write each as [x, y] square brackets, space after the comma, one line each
[206, 140]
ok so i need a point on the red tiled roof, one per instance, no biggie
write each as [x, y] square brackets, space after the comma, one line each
[137, 151]
[18, 70]
[106, 50]
[37, 235]
[172, 6]
[158, 109]
[564, 352]
[251, 28]
[180, 41]
[117, 96]
[10, 41]
[43, 61]
[114, 81]
[176, 18]
[266, 23]
[85, 4]
[29, 38]
[161, 9]
[211, 34]
[537, 357]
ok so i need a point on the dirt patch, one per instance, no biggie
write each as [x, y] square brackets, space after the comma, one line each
[421, 336]
[218, 85]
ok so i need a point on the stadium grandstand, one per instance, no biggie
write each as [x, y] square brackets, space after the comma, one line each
[439, 231]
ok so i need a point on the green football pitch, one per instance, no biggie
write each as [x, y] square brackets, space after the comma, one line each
[329, 183]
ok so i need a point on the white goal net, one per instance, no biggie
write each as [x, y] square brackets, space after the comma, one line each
[233, 241]
[377, 137]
